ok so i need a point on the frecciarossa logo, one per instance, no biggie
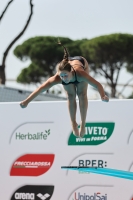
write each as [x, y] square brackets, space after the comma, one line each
[32, 165]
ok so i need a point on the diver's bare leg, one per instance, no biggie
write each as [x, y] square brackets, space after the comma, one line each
[83, 105]
[72, 107]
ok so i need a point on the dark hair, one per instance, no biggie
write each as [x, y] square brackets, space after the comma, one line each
[64, 65]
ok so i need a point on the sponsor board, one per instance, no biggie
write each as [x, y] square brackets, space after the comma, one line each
[33, 192]
[31, 131]
[96, 133]
[32, 165]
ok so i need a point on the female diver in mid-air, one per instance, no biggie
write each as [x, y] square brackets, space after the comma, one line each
[73, 74]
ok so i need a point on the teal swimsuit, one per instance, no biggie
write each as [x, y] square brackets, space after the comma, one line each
[82, 61]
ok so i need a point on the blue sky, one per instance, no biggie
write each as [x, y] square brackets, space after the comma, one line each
[72, 18]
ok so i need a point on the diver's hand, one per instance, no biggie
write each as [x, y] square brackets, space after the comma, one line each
[105, 99]
[24, 104]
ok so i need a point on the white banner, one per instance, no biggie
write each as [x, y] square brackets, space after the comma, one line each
[37, 141]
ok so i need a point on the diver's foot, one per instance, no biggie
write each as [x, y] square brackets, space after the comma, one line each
[75, 129]
[82, 131]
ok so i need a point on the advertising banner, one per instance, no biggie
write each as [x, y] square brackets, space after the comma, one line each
[36, 142]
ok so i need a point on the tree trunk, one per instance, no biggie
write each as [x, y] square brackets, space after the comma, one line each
[113, 91]
[5, 9]
[2, 75]
[2, 70]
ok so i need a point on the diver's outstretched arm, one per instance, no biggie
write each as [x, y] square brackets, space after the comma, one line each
[87, 78]
[44, 87]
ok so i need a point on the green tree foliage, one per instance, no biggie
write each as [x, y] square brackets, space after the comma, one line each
[31, 74]
[108, 54]
[44, 53]
[131, 96]
[105, 54]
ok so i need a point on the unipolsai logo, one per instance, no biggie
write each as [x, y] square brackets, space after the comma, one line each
[92, 192]
[32, 131]
[34, 192]
[86, 196]
[96, 133]
[32, 165]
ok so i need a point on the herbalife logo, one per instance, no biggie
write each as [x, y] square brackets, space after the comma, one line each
[95, 196]
[43, 197]
[96, 133]
[33, 136]
[31, 131]
[33, 192]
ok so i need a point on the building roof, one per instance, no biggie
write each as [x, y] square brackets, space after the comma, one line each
[8, 94]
